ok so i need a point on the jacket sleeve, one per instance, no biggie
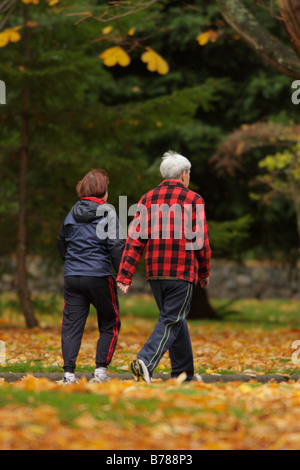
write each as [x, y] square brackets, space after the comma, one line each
[134, 248]
[61, 243]
[116, 246]
[203, 253]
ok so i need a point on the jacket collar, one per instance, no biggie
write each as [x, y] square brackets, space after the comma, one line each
[94, 199]
[171, 182]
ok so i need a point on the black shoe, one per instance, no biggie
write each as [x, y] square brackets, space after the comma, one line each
[139, 370]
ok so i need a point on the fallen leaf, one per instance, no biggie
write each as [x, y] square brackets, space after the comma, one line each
[181, 378]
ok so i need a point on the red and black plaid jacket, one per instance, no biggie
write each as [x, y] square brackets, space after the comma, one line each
[176, 240]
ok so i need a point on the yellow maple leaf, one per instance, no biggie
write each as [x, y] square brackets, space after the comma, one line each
[4, 39]
[115, 55]
[131, 32]
[51, 3]
[207, 36]
[13, 35]
[9, 35]
[107, 30]
[35, 2]
[155, 62]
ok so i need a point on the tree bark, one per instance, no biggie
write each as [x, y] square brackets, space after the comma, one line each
[272, 50]
[21, 252]
[201, 308]
[290, 12]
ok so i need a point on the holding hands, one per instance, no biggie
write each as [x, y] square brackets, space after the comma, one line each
[204, 283]
[123, 287]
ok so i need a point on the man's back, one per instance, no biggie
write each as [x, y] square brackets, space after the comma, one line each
[171, 225]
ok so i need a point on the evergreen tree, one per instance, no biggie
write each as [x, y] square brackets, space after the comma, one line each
[68, 110]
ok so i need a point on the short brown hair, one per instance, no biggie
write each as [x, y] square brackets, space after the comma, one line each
[94, 184]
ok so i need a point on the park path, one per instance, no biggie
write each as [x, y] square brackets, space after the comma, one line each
[205, 378]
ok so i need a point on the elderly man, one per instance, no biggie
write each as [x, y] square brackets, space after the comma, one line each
[177, 257]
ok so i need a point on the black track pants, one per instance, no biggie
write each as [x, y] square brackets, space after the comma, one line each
[79, 293]
[171, 332]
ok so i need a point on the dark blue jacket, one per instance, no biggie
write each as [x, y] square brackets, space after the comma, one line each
[90, 240]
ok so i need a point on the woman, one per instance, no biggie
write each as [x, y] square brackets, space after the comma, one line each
[88, 256]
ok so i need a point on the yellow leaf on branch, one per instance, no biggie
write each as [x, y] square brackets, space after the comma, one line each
[207, 36]
[115, 56]
[9, 35]
[156, 63]
[107, 30]
[14, 36]
[4, 39]
[34, 2]
[131, 32]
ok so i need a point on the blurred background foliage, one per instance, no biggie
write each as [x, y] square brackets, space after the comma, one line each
[85, 115]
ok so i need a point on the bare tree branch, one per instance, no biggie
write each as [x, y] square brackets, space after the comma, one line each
[290, 12]
[7, 7]
[271, 8]
[106, 17]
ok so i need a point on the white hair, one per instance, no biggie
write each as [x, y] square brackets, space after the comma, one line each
[173, 165]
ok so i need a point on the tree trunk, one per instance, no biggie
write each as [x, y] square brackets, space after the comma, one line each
[201, 308]
[21, 252]
[290, 12]
[272, 50]
[296, 198]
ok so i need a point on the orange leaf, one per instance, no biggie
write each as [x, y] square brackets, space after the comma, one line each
[207, 36]
[35, 2]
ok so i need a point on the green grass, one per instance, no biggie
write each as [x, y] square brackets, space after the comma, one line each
[262, 312]
[70, 405]
[265, 312]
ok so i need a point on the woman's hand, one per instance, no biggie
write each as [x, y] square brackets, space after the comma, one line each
[123, 287]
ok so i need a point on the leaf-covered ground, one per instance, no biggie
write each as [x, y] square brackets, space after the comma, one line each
[165, 415]
[39, 414]
[255, 335]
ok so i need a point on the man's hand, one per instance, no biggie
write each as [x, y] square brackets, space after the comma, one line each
[204, 283]
[123, 287]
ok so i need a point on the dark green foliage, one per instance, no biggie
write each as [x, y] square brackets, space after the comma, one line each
[84, 115]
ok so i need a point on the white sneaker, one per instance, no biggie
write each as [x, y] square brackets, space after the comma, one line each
[100, 375]
[68, 380]
[198, 378]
